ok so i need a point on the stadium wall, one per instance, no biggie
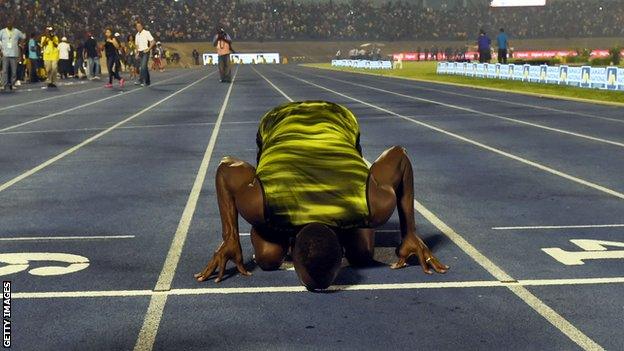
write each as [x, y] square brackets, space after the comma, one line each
[324, 51]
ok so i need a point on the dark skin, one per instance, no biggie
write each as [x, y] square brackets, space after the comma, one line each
[390, 186]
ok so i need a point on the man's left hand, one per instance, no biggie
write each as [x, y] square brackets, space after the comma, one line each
[413, 245]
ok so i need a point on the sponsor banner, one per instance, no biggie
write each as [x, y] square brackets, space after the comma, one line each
[552, 74]
[611, 78]
[535, 73]
[365, 64]
[574, 76]
[252, 58]
[598, 77]
[563, 75]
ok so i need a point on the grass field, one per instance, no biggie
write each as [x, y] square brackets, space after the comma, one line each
[426, 71]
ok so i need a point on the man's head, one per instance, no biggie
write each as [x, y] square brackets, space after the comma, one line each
[139, 26]
[502, 30]
[9, 23]
[317, 256]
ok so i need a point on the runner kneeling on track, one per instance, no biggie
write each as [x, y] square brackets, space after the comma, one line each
[312, 184]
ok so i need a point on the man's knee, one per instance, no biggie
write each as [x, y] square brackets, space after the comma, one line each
[397, 150]
[269, 261]
[361, 257]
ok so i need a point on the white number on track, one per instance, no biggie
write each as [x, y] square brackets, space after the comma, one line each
[593, 250]
[18, 262]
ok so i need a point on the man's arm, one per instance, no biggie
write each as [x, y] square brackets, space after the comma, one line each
[237, 191]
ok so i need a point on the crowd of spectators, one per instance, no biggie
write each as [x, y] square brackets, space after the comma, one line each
[195, 20]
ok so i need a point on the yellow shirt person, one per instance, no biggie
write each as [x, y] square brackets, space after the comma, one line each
[49, 44]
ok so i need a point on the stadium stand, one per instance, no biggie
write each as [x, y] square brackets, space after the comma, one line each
[267, 20]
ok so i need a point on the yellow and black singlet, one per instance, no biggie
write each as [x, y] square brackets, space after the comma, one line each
[311, 167]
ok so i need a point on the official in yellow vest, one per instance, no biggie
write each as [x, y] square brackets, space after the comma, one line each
[49, 45]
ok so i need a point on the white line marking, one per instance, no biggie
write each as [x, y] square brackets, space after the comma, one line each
[47, 99]
[534, 302]
[47, 238]
[545, 108]
[93, 138]
[466, 109]
[147, 335]
[561, 227]
[273, 85]
[476, 143]
[300, 288]
[85, 105]
[140, 126]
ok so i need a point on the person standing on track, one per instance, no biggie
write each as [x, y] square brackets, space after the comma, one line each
[313, 188]
[144, 43]
[503, 45]
[484, 46]
[111, 50]
[92, 56]
[10, 38]
[64, 62]
[49, 43]
[223, 42]
[33, 58]
[131, 60]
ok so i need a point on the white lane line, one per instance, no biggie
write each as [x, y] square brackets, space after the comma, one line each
[545, 108]
[86, 105]
[140, 126]
[525, 295]
[533, 301]
[273, 85]
[47, 99]
[300, 288]
[151, 322]
[48, 238]
[560, 227]
[466, 109]
[93, 138]
[474, 142]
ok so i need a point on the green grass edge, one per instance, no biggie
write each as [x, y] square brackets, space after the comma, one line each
[602, 97]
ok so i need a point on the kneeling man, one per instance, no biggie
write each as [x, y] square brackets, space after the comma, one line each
[313, 185]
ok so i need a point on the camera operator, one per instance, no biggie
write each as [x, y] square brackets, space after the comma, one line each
[51, 54]
[223, 42]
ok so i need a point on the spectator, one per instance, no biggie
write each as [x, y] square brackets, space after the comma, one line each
[223, 42]
[196, 57]
[93, 58]
[64, 62]
[157, 63]
[49, 43]
[484, 47]
[34, 55]
[145, 43]
[503, 46]
[111, 50]
[131, 60]
[79, 70]
[9, 42]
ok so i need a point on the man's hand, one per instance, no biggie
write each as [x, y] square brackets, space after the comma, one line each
[228, 250]
[413, 245]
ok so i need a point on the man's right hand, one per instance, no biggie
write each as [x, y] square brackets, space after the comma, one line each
[229, 250]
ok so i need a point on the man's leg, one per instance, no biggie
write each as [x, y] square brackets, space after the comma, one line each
[269, 248]
[359, 246]
[13, 64]
[53, 71]
[221, 61]
[5, 72]
[391, 185]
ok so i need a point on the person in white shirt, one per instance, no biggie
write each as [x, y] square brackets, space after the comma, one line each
[64, 61]
[9, 45]
[144, 42]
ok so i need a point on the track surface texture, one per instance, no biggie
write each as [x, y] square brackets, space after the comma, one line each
[107, 197]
